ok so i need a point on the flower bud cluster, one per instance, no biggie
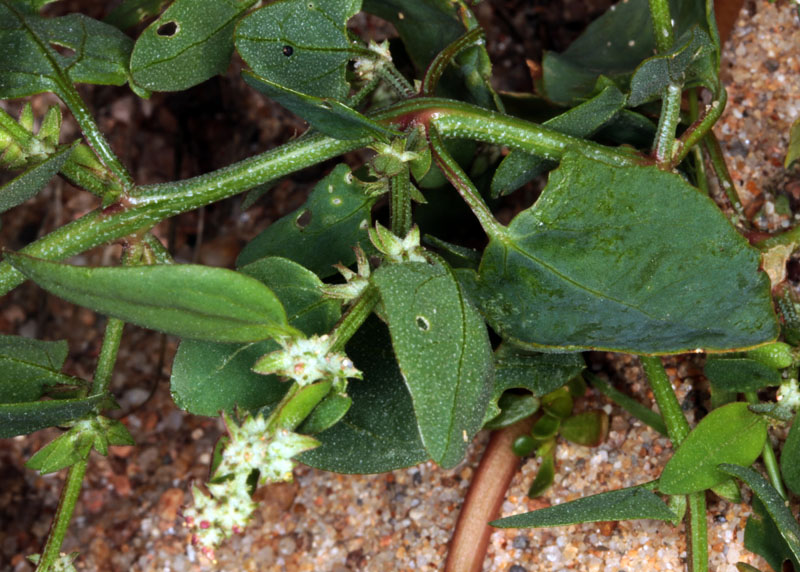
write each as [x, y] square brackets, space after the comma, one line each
[397, 249]
[306, 360]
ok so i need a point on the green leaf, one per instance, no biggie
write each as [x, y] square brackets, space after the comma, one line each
[603, 262]
[774, 506]
[34, 179]
[28, 366]
[378, 433]
[208, 377]
[24, 418]
[790, 458]
[331, 117]
[583, 120]
[547, 471]
[793, 151]
[588, 428]
[730, 434]
[443, 350]
[325, 415]
[639, 411]
[191, 42]
[624, 504]
[322, 232]
[301, 45]
[186, 300]
[510, 408]
[94, 52]
[762, 537]
[132, 12]
[740, 374]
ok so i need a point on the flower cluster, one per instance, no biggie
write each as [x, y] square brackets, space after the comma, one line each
[355, 282]
[397, 249]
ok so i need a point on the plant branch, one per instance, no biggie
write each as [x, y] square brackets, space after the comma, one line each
[66, 506]
[662, 25]
[664, 145]
[677, 426]
[768, 456]
[698, 532]
[352, 319]
[698, 130]
[400, 202]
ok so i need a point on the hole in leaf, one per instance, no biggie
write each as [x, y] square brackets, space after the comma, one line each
[423, 324]
[167, 29]
[303, 219]
[287, 50]
[65, 51]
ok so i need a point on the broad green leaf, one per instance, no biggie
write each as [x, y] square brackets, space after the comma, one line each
[730, 434]
[601, 261]
[587, 428]
[774, 506]
[191, 42]
[583, 120]
[443, 350]
[301, 45]
[24, 418]
[322, 232]
[190, 301]
[546, 427]
[378, 433]
[613, 46]
[208, 377]
[740, 374]
[131, 12]
[624, 504]
[762, 537]
[793, 151]
[790, 458]
[539, 373]
[331, 117]
[34, 179]
[93, 52]
[28, 366]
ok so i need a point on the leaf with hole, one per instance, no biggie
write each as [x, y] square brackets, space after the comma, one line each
[208, 377]
[198, 302]
[730, 434]
[443, 350]
[379, 432]
[50, 54]
[602, 262]
[191, 42]
[322, 232]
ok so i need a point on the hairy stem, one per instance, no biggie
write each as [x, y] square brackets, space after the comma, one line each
[664, 145]
[662, 25]
[700, 128]
[400, 202]
[108, 356]
[698, 532]
[677, 426]
[354, 317]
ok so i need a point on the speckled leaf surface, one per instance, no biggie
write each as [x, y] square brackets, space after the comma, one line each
[208, 377]
[322, 232]
[186, 300]
[34, 179]
[300, 44]
[27, 366]
[790, 458]
[762, 537]
[627, 259]
[623, 504]
[740, 374]
[191, 42]
[729, 434]
[379, 432]
[443, 351]
[95, 52]
[23, 418]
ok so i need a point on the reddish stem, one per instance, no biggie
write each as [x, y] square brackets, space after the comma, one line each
[484, 499]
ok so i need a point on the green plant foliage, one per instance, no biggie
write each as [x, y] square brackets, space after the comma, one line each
[327, 414]
[322, 232]
[300, 45]
[191, 42]
[597, 263]
[730, 434]
[762, 537]
[443, 350]
[379, 432]
[639, 411]
[190, 301]
[588, 428]
[790, 458]
[128, 13]
[774, 506]
[623, 504]
[96, 52]
[793, 151]
[22, 418]
[740, 374]
[208, 377]
[33, 180]
[28, 367]
[547, 470]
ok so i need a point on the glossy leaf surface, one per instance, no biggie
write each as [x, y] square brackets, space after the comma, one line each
[27, 184]
[198, 302]
[740, 374]
[208, 377]
[27, 366]
[379, 432]
[300, 45]
[24, 418]
[322, 232]
[191, 42]
[94, 52]
[623, 504]
[603, 262]
[729, 434]
[443, 350]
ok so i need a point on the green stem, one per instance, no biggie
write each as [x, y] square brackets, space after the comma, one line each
[664, 145]
[768, 456]
[400, 202]
[717, 159]
[66, 506]
[677, 426]
[639, 411]
[699, 129]
[662, 25]
[392, 76]
[698, 532]
[108, 356]
[458, 178]
[353, 318]
[701, 176]
[17, 131]
[439, 64]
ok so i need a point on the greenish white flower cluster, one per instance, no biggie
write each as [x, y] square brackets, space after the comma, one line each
[397, 249]
[306, 360]
[64, 562]
[252, 448]
[789, 394]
